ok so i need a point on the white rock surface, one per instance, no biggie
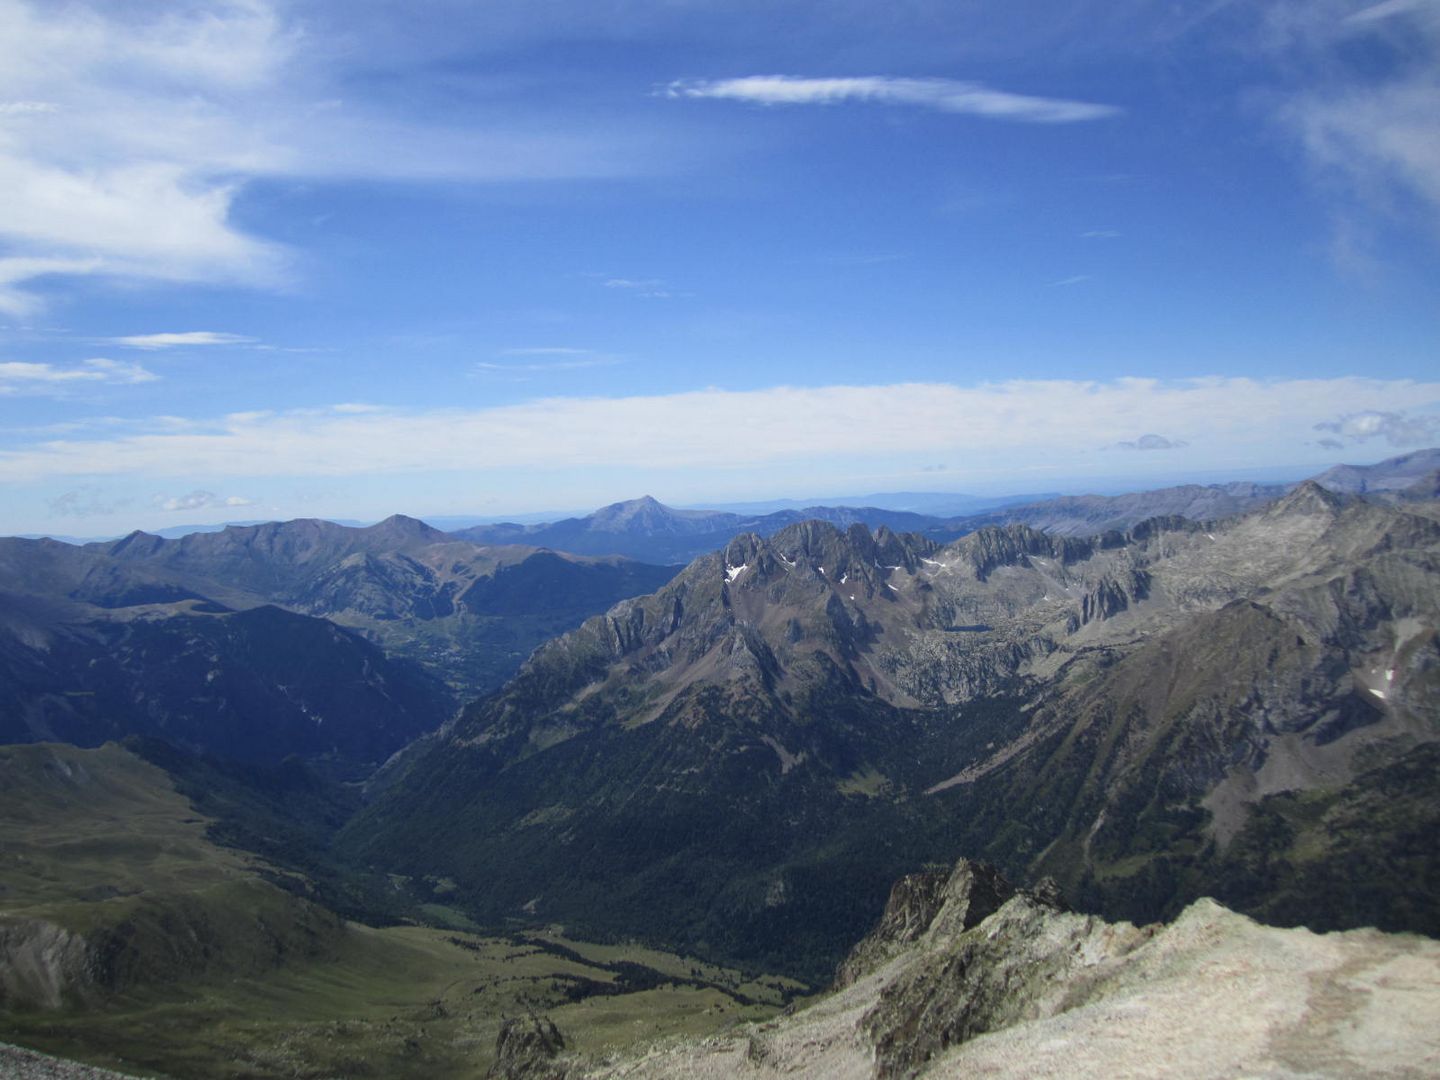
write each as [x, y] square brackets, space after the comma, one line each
[1212, 995]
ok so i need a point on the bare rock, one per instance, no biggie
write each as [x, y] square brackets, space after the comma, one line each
[526, 1049]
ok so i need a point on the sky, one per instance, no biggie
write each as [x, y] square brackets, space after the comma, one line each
[346, 258]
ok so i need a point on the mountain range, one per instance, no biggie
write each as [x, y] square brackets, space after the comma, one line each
[1149, 716]
[647, 530]
[735, 759]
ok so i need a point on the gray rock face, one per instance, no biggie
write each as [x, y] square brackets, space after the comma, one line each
[931, 901]
[1029, 962]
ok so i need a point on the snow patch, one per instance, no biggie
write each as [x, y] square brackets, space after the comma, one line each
[732, 572]
[1378, 693]
[891, 587]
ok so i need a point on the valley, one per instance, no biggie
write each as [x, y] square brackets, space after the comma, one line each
[282, 800]
[130, 939]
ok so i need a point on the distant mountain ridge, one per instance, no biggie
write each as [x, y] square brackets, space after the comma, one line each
[648, 530]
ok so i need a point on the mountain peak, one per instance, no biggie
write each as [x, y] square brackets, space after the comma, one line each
[1308, 498]
[649, 516]
[400, 527]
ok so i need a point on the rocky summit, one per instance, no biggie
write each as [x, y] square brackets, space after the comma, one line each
[1027, 989]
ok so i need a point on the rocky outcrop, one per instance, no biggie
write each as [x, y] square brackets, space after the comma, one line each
[1034, 991]
[952, 901]
[526, 1049]
[41, 964]
[1030, 961]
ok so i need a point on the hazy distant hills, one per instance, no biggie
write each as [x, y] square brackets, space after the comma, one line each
[1391, 475]
[1087, 515]
[647, 530]
[1147, 715]
[467, 612]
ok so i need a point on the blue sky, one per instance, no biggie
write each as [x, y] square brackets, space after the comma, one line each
[277, 259]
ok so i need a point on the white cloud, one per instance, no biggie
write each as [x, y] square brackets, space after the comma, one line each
[199, 500]
[1022, 423]
[652, 288]
[22, 108]
[545, 350]
[1152, 442]
[16, 270]
[944, 95]
[128, 132]
[19, 376]
[181, 340]
[1396, 428]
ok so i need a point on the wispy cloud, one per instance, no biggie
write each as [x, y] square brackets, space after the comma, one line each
[18, 377]
[1391, 8]
[651, 288]
[89, 500]
[1073, 279]
[185, 339]
[1023, 421]
[1372, 136]
[944, 95]
[546, 358]
[1099, 234]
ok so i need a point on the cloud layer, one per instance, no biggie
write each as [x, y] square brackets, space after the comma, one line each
[1017, 424]
[1396, 428]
